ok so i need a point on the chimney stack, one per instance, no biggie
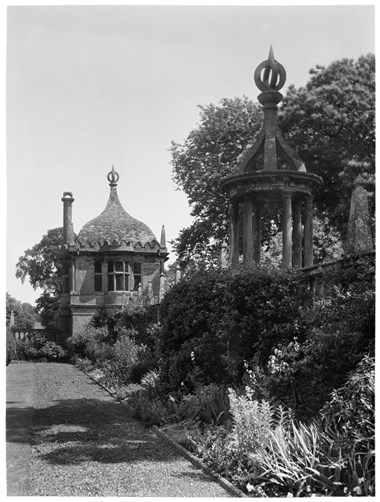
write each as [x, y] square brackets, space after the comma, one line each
[68, 233]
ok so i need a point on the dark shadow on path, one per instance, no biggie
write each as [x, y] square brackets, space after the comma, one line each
[18, 424]
[96, 431]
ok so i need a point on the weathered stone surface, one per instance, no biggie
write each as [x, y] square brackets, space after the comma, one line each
[115, 225]
[359, 237]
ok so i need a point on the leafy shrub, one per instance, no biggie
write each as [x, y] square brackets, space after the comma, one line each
[36, 347]
[190, 347]
[351, 409]
[150, 380]
[11, 346]
[209, 404]
[264, 311]
[267, 452]
[127, 391]
[216, 451]
[83, 364]
[340, 330]
[293, 463]
[52, 351]
[213, 320]
[85, 343]
[133, 317]
[251, 421]
[214, 404]
[140, 369]
[303, 459]
[123, 355]
[152, 412]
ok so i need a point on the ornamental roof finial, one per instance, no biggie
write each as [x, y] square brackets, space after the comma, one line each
[271, 55]
[270, 75]
[113, 177]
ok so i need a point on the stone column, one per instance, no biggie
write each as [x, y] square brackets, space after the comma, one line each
[297, 234]
[72, 277]
[234, 234]
[270, 124]
[247, 234]
[162, 290]
[256, 233]
[287, 230]
[308, 250]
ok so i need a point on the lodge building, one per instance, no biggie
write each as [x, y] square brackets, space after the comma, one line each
[114, 259]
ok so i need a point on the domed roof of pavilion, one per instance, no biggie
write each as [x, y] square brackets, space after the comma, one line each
[114, 226]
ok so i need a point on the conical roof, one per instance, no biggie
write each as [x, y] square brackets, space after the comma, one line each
[114, 225]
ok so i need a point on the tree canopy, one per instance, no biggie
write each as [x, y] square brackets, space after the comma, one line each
[201, 163]
[331, 124]
[41, 264]
[25, 314]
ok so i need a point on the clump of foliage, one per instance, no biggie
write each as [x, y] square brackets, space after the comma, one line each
[37, 347]
[24, 314]
[266, 452]
[340, 331]
[214, 320]
[10, 346]
[116, 357]
[42, 265]
[350, 409]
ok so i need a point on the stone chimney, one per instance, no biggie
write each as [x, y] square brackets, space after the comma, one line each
[68, 233]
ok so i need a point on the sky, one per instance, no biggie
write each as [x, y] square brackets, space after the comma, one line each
[92, 86]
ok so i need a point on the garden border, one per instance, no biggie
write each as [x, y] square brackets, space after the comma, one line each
[229, 487]
[224, 483]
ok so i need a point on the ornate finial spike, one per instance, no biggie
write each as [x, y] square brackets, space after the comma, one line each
[113, 177]
[270, 75]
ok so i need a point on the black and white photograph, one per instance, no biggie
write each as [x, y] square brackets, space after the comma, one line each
[189, 229]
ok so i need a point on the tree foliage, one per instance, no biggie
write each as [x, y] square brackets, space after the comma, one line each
[201, 163]
[213, 320]
[329, 122]
[25, 314]
[42, 263]
[47, 305]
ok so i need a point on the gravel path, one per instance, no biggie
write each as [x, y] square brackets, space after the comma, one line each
[86, 444]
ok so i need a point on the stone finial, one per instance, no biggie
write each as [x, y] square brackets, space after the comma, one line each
[163, 238]
[113, 177]
[359, 236]
[270, 75]
[12, 319]
[359, 180]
